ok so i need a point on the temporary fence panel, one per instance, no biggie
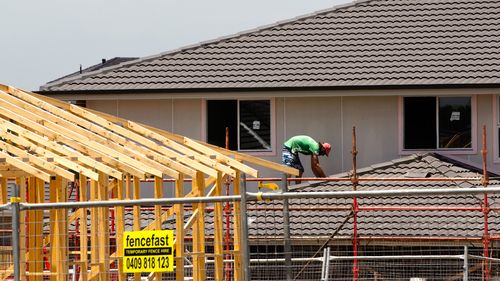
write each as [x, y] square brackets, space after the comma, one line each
[68, 244]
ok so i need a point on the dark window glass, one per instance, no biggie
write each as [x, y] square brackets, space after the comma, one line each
[432, 123]
[222, 114]
[420, 123]
[454, 122]
[251, 117]
[255, 125]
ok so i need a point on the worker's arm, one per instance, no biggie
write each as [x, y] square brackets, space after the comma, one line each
[315, 167]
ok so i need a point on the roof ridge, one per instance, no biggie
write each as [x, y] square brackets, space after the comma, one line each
[202, 43]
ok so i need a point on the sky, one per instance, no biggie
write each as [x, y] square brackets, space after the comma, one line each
[44, 40]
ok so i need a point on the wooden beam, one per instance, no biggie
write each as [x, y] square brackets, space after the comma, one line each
[120, 155]
[219, 230]
[199, 230]
[137, 215]
[25, 167]
[120, 228]
[34, 160]
[103, 228]
[13, 174]
[53, 145]
[178, 138]
[55, 136]
[84, 259]
[35, 230]
[179, 231]
[140, 139]
[3, 190]
[29, 146]
[221, 157]
[94, 231]
[187, 151]
[59, 250]
[164, 160]
[158, 193]
[238, 270]
[237, 155]
[73, 124]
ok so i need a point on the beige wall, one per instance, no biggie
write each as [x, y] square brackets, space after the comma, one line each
[484, 118]
[376, 122]
[177, 116]
[328, 119]
[319, 118]
[331, 119]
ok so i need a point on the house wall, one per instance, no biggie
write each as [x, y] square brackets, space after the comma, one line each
[179, 116]
[327, 119]
[331, 119]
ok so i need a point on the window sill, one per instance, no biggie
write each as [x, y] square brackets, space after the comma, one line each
[258, 153]
[441, 151]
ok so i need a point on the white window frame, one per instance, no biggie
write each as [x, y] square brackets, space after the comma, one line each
[450, 151]
[496, 126]
[272, 113]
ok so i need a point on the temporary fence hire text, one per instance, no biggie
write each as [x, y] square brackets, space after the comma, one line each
[148, 251]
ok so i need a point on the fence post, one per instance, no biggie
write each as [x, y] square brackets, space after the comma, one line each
[323, 265]
[466, 263]
[15, 200]
[245, 250]
[327, 265]
[286, 230]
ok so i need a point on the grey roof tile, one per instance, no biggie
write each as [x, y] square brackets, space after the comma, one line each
[369, 43]
[316, 221]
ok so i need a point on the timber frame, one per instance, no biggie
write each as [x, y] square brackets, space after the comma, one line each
[48, 143]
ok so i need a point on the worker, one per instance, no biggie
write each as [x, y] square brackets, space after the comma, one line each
[307, 146]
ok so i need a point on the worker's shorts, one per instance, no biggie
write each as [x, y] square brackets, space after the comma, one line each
[291, 159]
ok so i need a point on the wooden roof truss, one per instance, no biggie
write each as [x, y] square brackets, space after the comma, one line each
[43, 140]
[42, 137]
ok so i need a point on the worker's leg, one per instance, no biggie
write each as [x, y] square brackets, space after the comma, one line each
[292, 160]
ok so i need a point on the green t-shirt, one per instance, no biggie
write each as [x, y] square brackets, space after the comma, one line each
[303, 144]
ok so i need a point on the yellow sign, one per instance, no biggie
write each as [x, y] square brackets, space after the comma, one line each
[148, 251]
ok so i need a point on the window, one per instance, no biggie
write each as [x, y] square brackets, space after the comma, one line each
[248, 123]
[437, 123]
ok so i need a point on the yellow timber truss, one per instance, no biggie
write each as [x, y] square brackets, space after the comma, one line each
[46, 142]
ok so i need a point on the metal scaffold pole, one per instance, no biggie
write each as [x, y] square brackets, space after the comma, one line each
[15, 200]
[354, 180]
[286, 231]
[245, 250]
[486, 211]
[466, 263]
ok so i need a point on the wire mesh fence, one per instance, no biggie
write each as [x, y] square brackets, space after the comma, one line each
[424, 237]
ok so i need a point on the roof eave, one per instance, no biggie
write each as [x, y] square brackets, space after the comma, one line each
[274, 89]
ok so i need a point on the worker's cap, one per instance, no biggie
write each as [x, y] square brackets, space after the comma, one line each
[327, 147]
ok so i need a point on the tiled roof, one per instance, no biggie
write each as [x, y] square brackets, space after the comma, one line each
[362, 44]
[322, 219]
